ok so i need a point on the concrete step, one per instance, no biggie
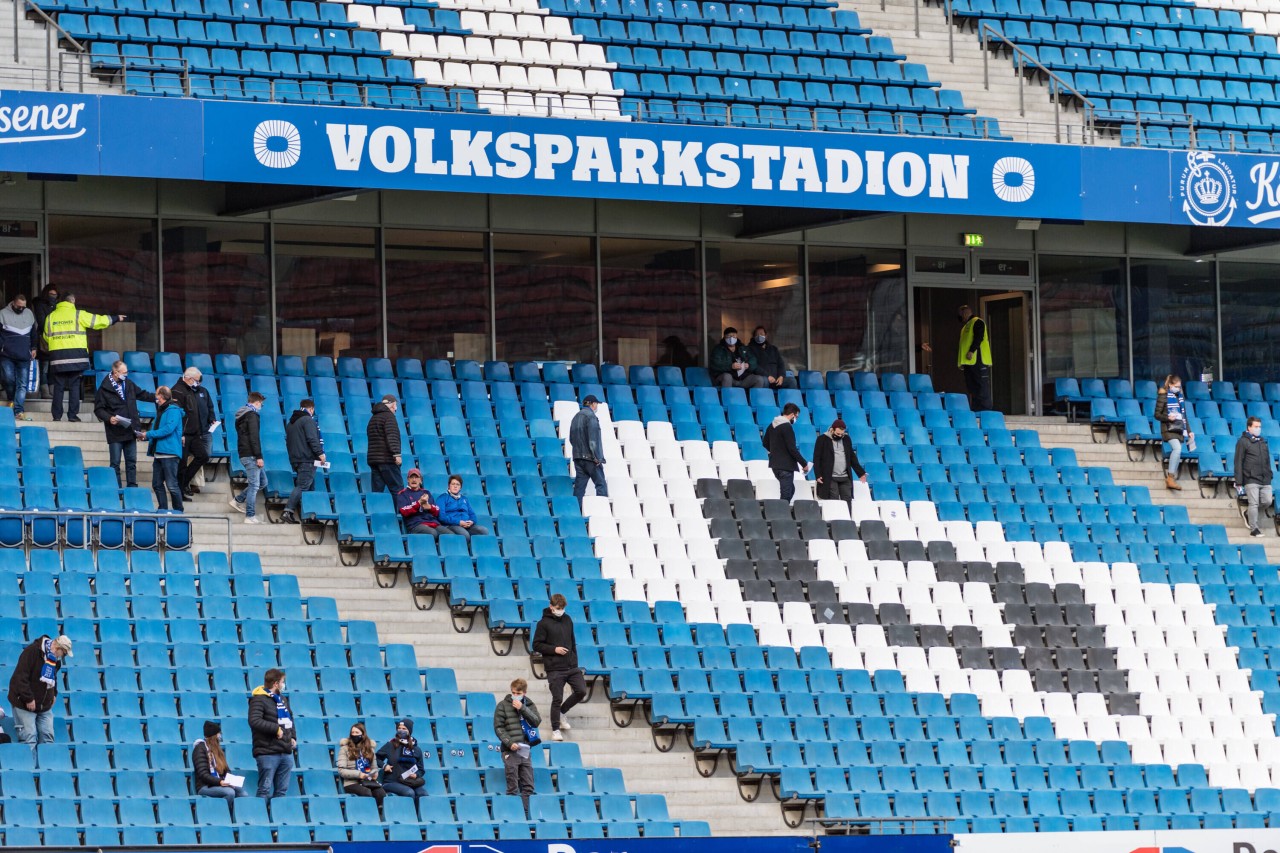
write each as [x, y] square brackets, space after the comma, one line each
[37, 66]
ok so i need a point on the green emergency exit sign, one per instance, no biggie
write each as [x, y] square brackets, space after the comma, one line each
[972, 240]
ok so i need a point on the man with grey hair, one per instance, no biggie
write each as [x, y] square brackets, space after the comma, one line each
[33, 687]
[116, 405]
[197, 440]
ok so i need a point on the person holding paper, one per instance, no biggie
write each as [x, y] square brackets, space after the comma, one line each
[197, 435]
[116, 405]
[515, 722]
[401, 760]
[358, 768]
[733, 365]
[212, 776]
[274, 737]
[165, 448]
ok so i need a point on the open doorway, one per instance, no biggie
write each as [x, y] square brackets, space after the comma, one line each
[1007, 315]
[19, 273]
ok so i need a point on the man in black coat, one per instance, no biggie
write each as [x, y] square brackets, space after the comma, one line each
[784, 456]
[33, 687]
[769, 361]
[116, 405]
[197, 441]
[554, 640]
[833, 460]
[274, 735]
[1253, 471]
[384, 446]
[41, 307]
[306, 448]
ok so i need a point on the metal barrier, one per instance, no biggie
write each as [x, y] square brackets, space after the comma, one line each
[88, 516]
[53, 34]
[1023, 60]
[820, 826]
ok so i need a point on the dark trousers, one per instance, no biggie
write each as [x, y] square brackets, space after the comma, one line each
[519, 770]
[385, 476]
[164, 482]
[360, 789]
[196, 454]
[786, 484]
[129, 451]
[70, 384]
[556, 680]
[836, 490]
[304, 477]
[585, 470]
[977, 380]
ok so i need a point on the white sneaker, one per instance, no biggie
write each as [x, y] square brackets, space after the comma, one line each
[564, 725]
[253, 519]
[556, 736]
[236, 505]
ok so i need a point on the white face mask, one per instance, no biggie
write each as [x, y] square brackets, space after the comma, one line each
[761, 339]
[557, 613]
[731, 341]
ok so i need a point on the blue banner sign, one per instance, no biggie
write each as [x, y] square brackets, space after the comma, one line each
[363, 148]
[773, 844]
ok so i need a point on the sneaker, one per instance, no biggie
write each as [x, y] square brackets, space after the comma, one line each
[1255, 532]
[24, 417]
[564, 724]
[556, 736]
[236, 505]
[288, 518]
[253, 519]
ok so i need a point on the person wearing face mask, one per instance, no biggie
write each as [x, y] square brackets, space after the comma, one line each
[732, 363]
[66, 342]
[17, 350]
[200, 415]
[974, 359]
[306, 448]
[274, 736]
[553, 639]
[116, 405]
[209, 766]
[769, 361]
[165, 449]
[401, 761]
[358, 767]
[1253, 472]
[833, 460]
[42, 306]
[249, 447]
[587, 449]
[515, 722]
[1171, 412]
[784, 456]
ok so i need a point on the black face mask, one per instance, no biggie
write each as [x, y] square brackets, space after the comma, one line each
[357, 738]
[18, 309]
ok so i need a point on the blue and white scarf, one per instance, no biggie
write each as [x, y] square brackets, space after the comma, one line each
[282, 712]
[50, 666]
[118, 386]
[530, 733]
[362, 764]
[1175, 408]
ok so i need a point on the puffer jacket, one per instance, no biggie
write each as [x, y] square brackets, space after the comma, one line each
[264, 722]
[1253, 461]
[506, 720]
[384, 436]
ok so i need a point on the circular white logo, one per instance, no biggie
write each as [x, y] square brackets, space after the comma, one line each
[1013, 179]
[277, 144]
[1208, 190]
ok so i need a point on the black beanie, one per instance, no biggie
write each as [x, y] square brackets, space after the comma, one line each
[211, 729]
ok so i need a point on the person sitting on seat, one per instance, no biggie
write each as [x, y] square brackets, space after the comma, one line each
[357, 766]
[401, 760]
[417, 510]
[209, 763]
[456, 514]
[733, 365]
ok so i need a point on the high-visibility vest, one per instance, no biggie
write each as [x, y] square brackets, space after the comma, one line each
[966, 342]
[64, 336]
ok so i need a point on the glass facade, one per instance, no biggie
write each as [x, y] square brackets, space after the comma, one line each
[650, 298]
[1250, 321]
[858, 309]
[545, 297]
[328, 293]
[1174, 318]
[1084, 317]
[437, 294]
[750, 284]
[217, 287]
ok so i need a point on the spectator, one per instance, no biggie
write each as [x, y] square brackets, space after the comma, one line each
[42, 307]
[1171, 412]
[65, 341]
[554, 640]
[249, 448]
[732, 363]
[784, 456]
[833, 460]
[357, 767]
[33, 687]
[1253, 471]
[587, 449]
[306, 448]
[384, 446]
[274, 737]
[974, 359]
[769, 361]
[402, 761]
[417, 510]
[116, 405]
[210, 766]
[456, 514]
[165, 449]
[197, 438]
[17, 351]
[515, 722]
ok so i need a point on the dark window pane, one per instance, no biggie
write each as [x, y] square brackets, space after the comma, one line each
[1083, 318]
[217, 288]
[859, 309]
[1250, 317]
[546, 297]
[327, 291]
[650, 293]
[437, 295]
[1175, 330]
[750, 284]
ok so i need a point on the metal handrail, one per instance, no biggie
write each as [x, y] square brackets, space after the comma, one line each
[127, 515]
[818, 826]
[1022, 60]
[80, 51]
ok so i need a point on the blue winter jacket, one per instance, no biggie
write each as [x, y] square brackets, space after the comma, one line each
[165, 435]
[455, 510]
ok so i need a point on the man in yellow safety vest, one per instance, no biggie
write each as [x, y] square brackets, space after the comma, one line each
[67, 346]
[974, 359]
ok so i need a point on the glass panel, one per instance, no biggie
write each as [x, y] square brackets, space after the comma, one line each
[546, 297]
[1083, 318]
[1175, 330]
[447, 274]
[217, 288]
[651, 296]
[750, 284]
[327, 294]
[110, 264]
[1250, 316]
[859, 309]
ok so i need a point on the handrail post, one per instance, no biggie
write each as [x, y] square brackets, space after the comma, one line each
[1057, 110]
[951, 33]
[1022, 78]
[986, 50]
[917, 12]
[16, 4]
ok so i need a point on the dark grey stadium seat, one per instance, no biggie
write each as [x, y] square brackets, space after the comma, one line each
[1047, 614]
[785, 591]
[1010, 572]
[932, 636]
[1101, 658]
[1039, 658]
[1059, 636]
[1078, 614]
[966, 637]
[861, 613]
[1093, 637]
[900, 635]
[708, 487]
[763, 549]
[717, 508]
[829, 612]
[1069, 593]
[941, 551]
[817, 590]
[740, 490]
[728, 549]
[787, 529]
[757, 591]
[793, 549]
[873, 529]
[804, 510]
[841, 530]
[980, 571]
[1082, 681]
[740, 570]
[950, 571]
[771, 570]
[1018, 614]
[724, 528]
[746, 509]
[776, 509]
[1123, 704]
[1007, 658]
[1009, 593]
[805, 571]
[1050, 681]
[975, 658]
[815, 528]
[910, 550]
[881, 549]
[1070, 659]
[893, 614]
[1112, 681]
[1038, 593]
[754, 528]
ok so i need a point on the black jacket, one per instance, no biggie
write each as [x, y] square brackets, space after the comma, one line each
[302, 439]
[197, 406]
[248, 437]
[108, 404]
[384, 436]
[1253, 461]
[506, 720]
[264, 722]
[402, 757]
[552, 632]
[201, 767]
[769, 360]
[824, 456]
[25, 684]
[780, 441]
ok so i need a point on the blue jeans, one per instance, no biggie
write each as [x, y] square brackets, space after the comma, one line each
[129, 450]
[1175, 456]
[304, 477]
[226, 792]
[387, 476]
[164, 475]
[33, 727]
[14, 376]
[585, 470]
[274, 772]
[257, 479]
